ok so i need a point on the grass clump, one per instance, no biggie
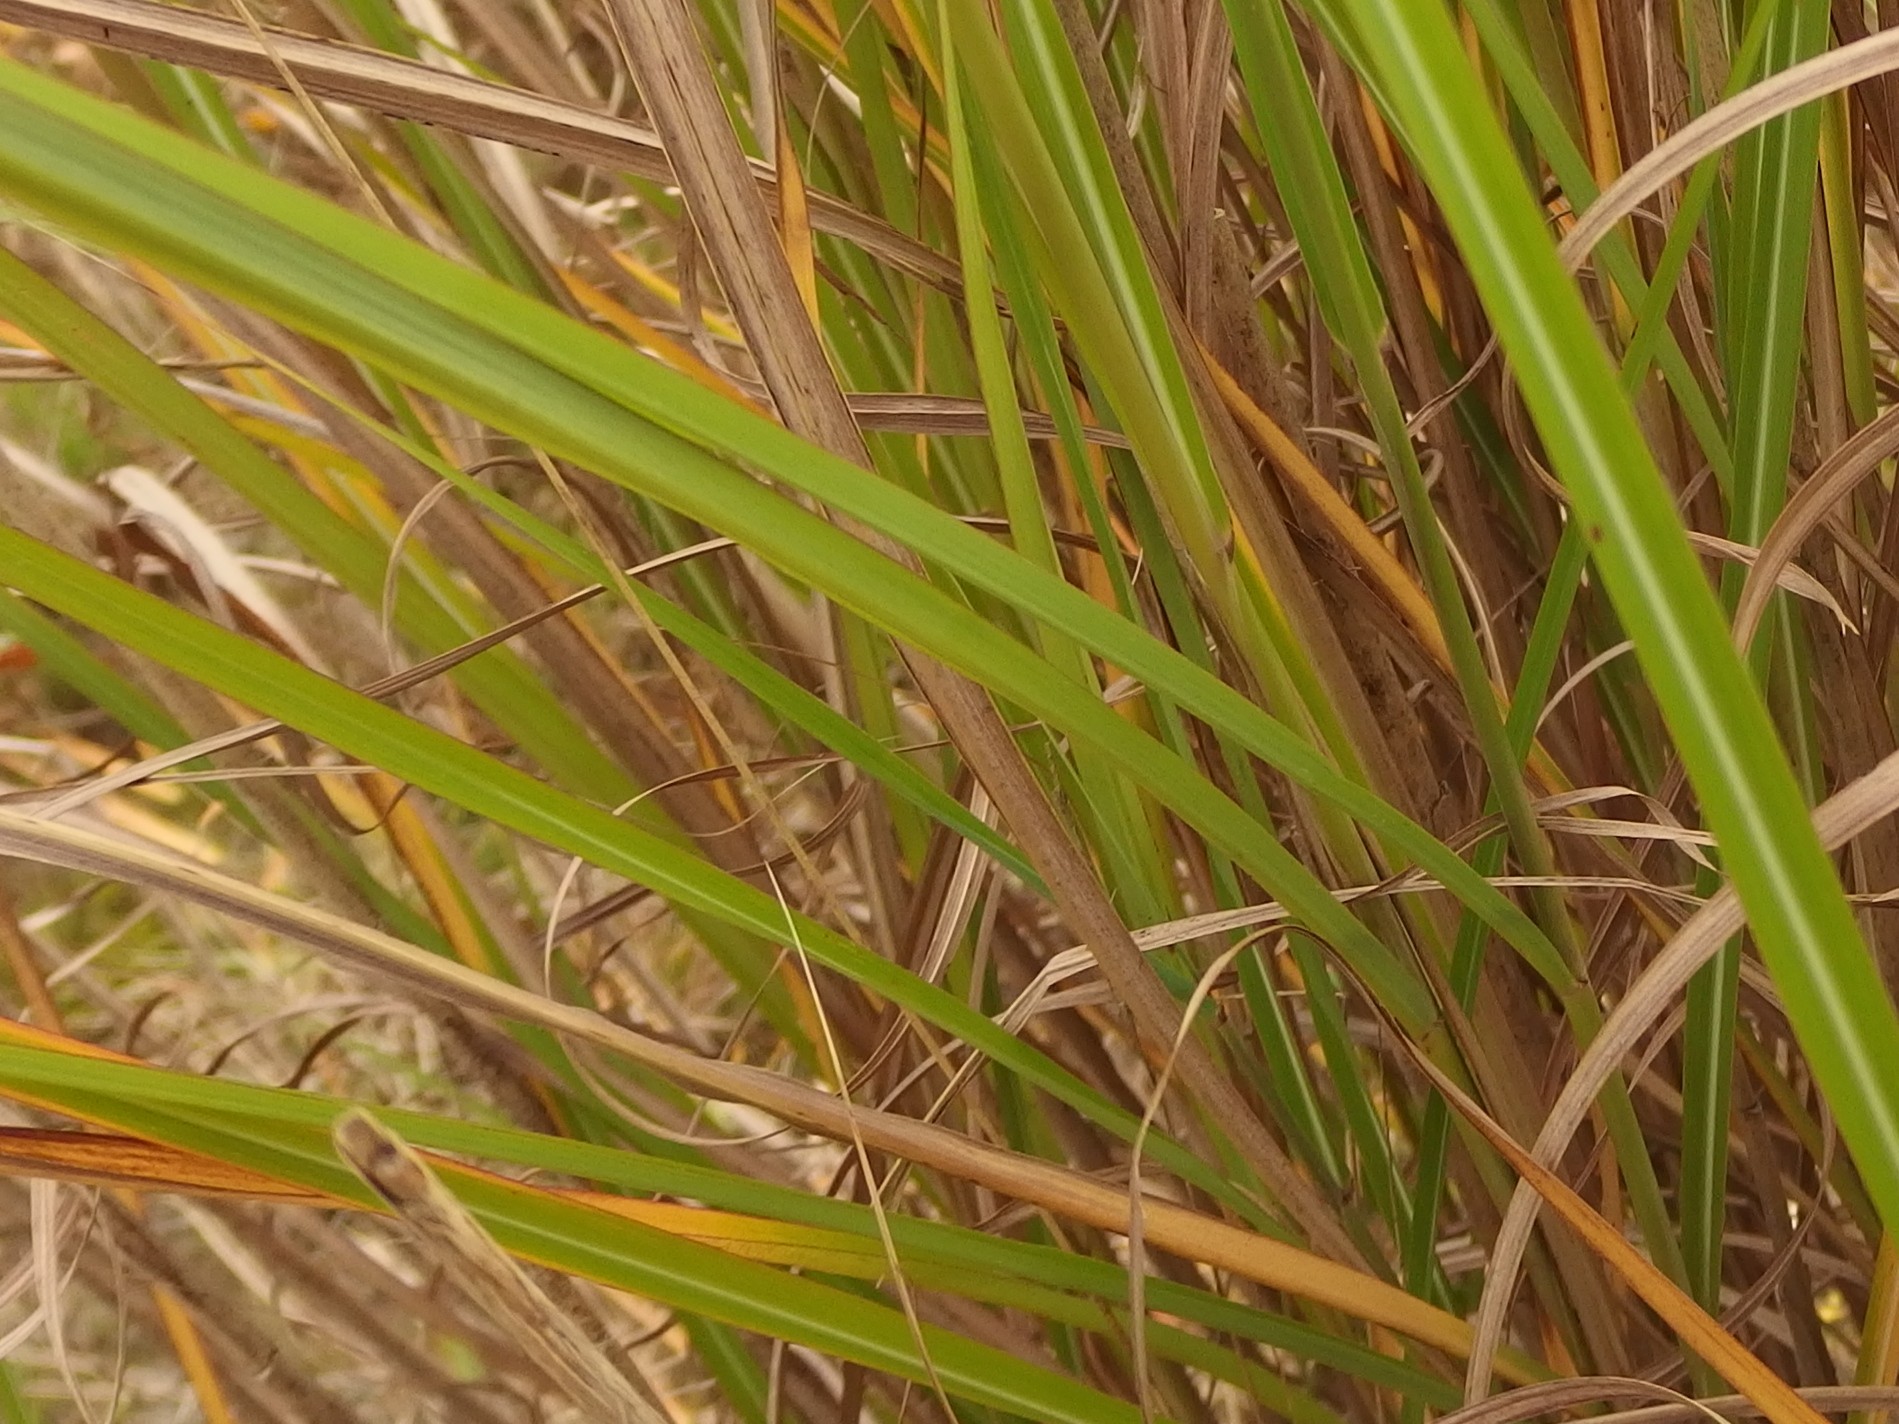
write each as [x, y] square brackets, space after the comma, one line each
[877, 709]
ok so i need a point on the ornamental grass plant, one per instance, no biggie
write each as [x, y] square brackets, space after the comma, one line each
[948, 710]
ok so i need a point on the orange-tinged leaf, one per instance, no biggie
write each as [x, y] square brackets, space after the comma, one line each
[29, 1037]
[668, 292]
[117, 1160]
[643, 334]
[1376, 562]
[794, 224]
[101, 1159]
[448, 903]
[188, 1345]
[755, 1237]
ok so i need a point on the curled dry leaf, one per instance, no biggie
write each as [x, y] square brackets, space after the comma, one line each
[1847, 813]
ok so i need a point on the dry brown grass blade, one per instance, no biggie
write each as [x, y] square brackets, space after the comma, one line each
[1059, 1190]
[1734, 1362]
[661, 45]
[457, 1243]
[405, 89]
[1825, 1398]
[1807, 508]
[1758, 104]
[1085, 906]
[1848, 812]
[1517, 1405]
[908, 413]
[1534, 1399]
[794, 222]
[20, 963]
[1787, 575]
